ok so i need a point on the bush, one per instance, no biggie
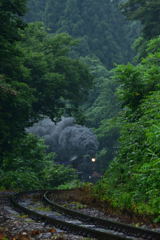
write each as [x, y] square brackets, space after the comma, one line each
[20, 180]
[31, 167]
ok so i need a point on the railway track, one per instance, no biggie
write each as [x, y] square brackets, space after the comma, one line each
[78, 223]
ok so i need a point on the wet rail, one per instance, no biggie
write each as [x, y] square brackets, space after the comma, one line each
[98, 228]
[108, 224]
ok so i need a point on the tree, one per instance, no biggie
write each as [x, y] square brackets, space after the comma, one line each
[30, 168]
[37, 14]
[11, 13]
[101, 108]
[37, 76]
[16, 98]
[147, 12]
[100, 26]
[57, 79]
[16, 101]
[132, 180]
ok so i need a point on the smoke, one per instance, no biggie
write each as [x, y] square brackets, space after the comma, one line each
[69, 140]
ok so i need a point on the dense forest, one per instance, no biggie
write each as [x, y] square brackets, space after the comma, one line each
[38, 78]
[97, 62]
[105, 39]
[101, 28]
[132, 179]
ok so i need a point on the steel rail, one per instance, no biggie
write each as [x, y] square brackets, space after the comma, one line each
[64, 225]
[111, 225]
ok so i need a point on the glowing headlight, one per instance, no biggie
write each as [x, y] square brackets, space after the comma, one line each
[93, 159]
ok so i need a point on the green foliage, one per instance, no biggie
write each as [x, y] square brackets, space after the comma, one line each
[132, 180]
[16, 98]
[35, 15]
[107, 134]
[138, 81]
[37, 78]
[102, 95]
[100, 26]
[11, 23]
[147, 12]
[29, 153]
[31, 167]
[70, 185]
[46, 81]
[75, 184]
[100, 109]
[58, 174]
[20, 180]
[56, 78]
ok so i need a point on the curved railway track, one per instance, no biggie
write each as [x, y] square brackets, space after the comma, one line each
[87, 226]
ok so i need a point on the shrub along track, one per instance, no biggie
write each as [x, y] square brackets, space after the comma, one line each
[88, 226]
